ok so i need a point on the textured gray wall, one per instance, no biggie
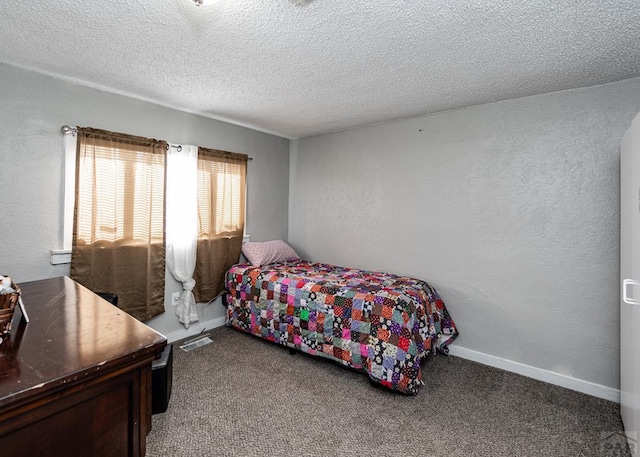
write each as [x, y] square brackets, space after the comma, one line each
[33, 107]
[511, 210]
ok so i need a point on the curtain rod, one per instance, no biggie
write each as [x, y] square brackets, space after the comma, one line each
[72, 130]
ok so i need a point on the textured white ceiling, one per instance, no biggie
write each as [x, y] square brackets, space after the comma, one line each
[303, 67]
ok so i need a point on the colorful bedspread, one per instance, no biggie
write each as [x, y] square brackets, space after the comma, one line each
[376, 322]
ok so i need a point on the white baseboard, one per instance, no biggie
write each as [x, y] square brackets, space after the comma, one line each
[194, 329]
[579, 385]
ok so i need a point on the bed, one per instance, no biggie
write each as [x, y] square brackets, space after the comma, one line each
[375, 322]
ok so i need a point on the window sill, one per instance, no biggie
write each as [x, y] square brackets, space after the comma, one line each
[60, 256]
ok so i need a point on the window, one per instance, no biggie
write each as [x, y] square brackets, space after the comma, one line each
[220, 196]
[115, 208]
[118, 238]
[221, 209]
[120, 198]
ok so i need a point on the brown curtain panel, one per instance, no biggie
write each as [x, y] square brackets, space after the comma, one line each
[119, 226]
[221, 200]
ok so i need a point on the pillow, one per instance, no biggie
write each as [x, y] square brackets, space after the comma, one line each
[268, 252]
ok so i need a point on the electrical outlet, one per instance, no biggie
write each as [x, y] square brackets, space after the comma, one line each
[175, 298]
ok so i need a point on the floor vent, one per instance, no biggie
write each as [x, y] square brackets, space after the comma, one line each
[194, 344]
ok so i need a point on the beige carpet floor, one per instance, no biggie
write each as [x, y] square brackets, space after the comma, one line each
[242, 396]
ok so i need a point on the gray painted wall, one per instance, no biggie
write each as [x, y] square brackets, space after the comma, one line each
[33, 107]
[511, 210]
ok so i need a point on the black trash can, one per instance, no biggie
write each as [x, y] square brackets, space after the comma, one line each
[161, 377]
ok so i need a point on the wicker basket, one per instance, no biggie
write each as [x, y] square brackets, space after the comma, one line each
[7, 306]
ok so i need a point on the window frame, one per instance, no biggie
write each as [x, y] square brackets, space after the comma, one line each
[63, 256]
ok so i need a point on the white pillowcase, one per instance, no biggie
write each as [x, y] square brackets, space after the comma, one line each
[263, 253]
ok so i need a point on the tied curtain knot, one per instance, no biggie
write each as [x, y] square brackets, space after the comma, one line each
[189, 284]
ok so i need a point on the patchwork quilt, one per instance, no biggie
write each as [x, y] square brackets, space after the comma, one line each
[375, 322]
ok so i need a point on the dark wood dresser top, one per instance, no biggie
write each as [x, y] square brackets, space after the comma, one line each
[73, 335]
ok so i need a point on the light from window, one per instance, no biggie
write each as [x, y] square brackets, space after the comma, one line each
[228, 203]
[220, 198]
[119, 188]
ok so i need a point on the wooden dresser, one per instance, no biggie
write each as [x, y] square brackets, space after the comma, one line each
[76, 380]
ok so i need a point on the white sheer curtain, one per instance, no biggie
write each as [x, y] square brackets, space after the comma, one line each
[182, 224]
